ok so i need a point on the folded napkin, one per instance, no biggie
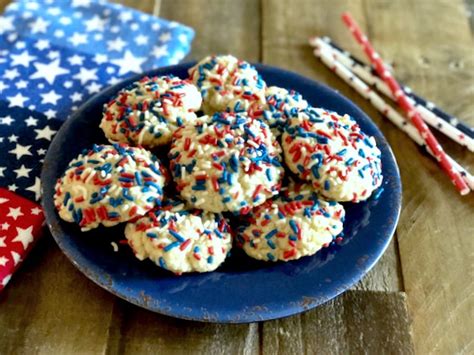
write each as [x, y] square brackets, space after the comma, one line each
[54, 55]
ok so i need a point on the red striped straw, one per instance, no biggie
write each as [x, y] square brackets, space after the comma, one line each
[406, 106]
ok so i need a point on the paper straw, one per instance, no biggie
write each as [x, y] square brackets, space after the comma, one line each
[452, 120]
[365, 73]
[403, 102]
[365, 91]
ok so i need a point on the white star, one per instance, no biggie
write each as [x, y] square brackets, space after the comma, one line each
[46, 133]
[100, 58]
[116, 44]
[42, 44]
[12, 138]
[30, 121]
[53, 55]
[81, 3]
[36, 211]
[20, 45]
[24, 236]
[39, 26]
[93, 88]
[22, 84]
[23, 171]
[110, 70]
[129, 63]
[3, 86]
[78, 39]
[22, 59]
[165, 37]
[7, 120]
[21, 150]
[5, 226]
[12, 187]
[85, 75]
[6, 279]
[50, 98]
[41, 151]
[17, 100]
[36, 188]
[32, 5]
[2, 169]
[113, 81]
[6, 24]
[114, 29]
[55, 11]
[3, 262]
[141, 40]
[59, 34]
[11, 74]
[14, 212]
[155, 26]
[76, 97]
[65, 20]
[134, 26]
[48, 72]
[12, 37]
[50, 114]
[125, 16]
[183, 38]
[98, 36]
[16, 257]
[95, 24]
[76, 60]
[68, 84]
[161, 51]
[2, 242]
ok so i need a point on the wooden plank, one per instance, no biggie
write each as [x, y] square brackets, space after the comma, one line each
[432, 48]
[148, 6]
[358, 322]
[222, 26]
[50, 307]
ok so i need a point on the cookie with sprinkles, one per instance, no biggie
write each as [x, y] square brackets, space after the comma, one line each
[147, 112]
[332, 152]
[224, 78]
[232, 163]
[279, 105]
[295, 224]
[109, 184]
[179, 239]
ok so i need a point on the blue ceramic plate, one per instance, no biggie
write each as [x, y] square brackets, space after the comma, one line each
[242, 290]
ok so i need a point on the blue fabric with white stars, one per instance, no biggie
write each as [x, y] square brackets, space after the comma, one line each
[54, 55]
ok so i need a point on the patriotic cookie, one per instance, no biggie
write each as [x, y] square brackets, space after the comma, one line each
[109, 184]
[279, 105]
[224, 78]
[295, 224]
[232, 163]
[147, 112]
[180, 239]
[333, 153]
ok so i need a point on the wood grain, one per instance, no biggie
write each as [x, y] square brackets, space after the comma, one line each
[434, 56]
[357, 322]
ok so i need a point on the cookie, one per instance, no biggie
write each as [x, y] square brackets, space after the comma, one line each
[232, 163]
[109, 184]
[222, 79]
[295, 224]
[179, 239]
[332, 152]
[147, 112]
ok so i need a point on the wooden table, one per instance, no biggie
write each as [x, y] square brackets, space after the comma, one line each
[417, 298]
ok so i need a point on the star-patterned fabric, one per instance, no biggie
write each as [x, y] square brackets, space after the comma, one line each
[54, 55]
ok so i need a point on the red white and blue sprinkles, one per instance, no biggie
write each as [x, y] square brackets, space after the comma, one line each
[109, 184]
[179, 239]
[295, 224]
[333, 153]
[232, 163]
[148, 111]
